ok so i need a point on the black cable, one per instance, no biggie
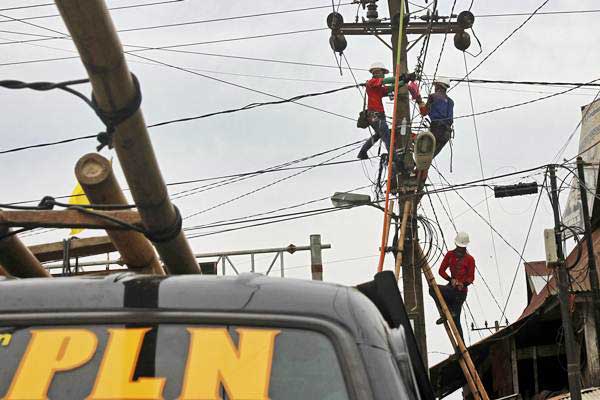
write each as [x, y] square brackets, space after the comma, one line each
[444, 42]
[58, 15]
[253, 105]
[246, 194]
[512, 285]
[537, 83]
[246, 217]
[539, 13]
[224, 19]
[242, 87]
[504, 40]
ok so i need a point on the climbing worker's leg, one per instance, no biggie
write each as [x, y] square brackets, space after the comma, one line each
[456, 308]
[384, 130]
[445, 290]
[442, 136]
[363, 153]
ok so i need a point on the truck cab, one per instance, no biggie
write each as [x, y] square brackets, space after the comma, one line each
[128, 336]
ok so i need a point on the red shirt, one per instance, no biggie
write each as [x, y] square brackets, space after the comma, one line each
[463, 269]
[375, 92]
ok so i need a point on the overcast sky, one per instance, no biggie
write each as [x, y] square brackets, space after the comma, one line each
[547, 48]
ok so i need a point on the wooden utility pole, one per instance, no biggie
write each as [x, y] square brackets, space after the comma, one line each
[316, 261]
[95, 175]
[101, 52]
[411, 274]
[563, 296]
[17, 259]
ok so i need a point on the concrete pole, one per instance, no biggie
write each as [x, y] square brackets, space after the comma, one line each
[411, 273]
[101, 52]
[17, 259]
[95, 175]
[563, 296]
[316, 261]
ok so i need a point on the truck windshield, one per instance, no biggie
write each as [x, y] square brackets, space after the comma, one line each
[168, 361]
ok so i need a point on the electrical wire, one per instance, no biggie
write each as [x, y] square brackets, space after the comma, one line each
[531, 15]
[487, 204]
[152, 27]
[58, 15]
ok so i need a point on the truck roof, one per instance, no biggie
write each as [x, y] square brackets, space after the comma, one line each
[245, 293]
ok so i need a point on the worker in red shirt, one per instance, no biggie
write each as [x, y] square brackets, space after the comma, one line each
[462, 274]
[377, 87]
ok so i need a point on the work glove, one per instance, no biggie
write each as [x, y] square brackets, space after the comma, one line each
[413, 89]
[408, 77]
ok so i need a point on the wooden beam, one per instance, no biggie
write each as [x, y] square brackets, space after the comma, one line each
[16, 258]
[68, 219]
[96, 177]
[79, 248]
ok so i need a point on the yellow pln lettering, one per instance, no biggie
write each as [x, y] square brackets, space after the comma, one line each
[50, 351]
[213, 359]
[5, 339]
[115, 376]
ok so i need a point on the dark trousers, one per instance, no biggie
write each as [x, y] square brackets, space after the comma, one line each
[442, 135]
[382, 131]
[454, 300]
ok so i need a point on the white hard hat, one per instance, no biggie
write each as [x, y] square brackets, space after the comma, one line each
[462, 239]
[378, 65]
[442, 81]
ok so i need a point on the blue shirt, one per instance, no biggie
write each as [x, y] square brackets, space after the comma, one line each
[441, 108]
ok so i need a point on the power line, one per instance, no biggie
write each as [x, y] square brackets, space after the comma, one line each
[539, 13]
[143, 28]
[487, 204]
[512, 285]
[110, 9]
[530, 16]
[246, 194]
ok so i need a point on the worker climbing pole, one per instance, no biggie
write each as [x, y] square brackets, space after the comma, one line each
[410, 156]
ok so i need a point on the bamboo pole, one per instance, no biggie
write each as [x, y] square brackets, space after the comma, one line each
[387, 223]
[101, 52]
[400, 244]
[465, 361]
[17, 259]
[95, 175]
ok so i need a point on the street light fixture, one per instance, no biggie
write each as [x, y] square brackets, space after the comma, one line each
[347, 200]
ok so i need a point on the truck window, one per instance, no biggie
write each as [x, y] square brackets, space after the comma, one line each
[169, 361]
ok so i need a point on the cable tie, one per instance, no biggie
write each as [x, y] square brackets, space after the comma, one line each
[112, 119]
[169, 233]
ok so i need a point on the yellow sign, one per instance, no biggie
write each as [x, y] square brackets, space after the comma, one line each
[213, 361]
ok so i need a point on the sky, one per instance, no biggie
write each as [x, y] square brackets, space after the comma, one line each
[548, 48]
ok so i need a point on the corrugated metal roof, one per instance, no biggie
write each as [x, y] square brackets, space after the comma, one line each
[579, 274]
[586, 394]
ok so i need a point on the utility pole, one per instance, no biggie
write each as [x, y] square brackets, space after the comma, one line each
[593, 273]
[116, 94]
[563, 295]
[412, 283]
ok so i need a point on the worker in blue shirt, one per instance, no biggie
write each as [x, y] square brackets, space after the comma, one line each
[440, 109]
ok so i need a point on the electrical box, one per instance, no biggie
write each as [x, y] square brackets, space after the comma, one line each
[550, 246]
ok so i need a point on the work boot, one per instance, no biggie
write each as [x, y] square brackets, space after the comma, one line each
[440, 320]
